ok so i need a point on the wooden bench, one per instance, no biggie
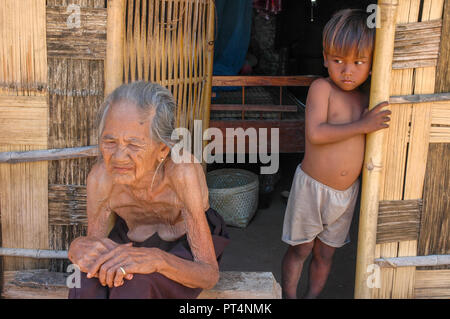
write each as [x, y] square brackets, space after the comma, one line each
[42, 284]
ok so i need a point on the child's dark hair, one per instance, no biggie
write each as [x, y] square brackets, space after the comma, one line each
[346, 31]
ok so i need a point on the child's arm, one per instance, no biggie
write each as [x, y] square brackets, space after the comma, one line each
[318, 131]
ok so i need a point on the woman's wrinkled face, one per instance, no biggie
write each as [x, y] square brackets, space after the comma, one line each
[128, 151]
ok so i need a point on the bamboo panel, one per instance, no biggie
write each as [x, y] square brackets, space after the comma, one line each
[86, 41]
[67, 218]
[443, 68]
[75, 95]
[23, 53]
[23, 208]
[417, 44]
[67, 205]
[76, 80]
[398, 220]
[435, 223]
[421, 116]
[81, 3]
[167, 42]
[432, 284]
[23, 127]
[440, 113]
[440, 134]
[392, 177]
[23, 120]
[417, 152]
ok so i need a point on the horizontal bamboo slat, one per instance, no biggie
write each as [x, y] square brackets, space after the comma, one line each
[432, 284]
[417, 44]
[440, 113]
[414, 261]
[23, 120]
[67, 205]
[440, 134]
[33, 253]
[48, 155]
[398, 220]
[419, 98]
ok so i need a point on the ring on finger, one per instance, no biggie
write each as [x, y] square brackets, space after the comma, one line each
[123, 270]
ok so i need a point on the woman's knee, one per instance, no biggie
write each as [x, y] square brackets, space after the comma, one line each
[89, 288]
[152, 286]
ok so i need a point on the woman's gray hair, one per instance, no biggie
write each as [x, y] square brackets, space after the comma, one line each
[146, 97]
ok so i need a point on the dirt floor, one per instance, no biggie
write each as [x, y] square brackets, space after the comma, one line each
[258, 247]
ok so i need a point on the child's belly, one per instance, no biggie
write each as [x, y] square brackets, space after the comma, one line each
[337, 165]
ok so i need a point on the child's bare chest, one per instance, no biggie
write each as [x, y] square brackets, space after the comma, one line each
[345, 108]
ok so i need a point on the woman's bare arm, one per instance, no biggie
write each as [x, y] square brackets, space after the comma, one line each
[84, 250]
[202, 272]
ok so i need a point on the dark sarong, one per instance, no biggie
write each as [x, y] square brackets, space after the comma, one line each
[154, 285]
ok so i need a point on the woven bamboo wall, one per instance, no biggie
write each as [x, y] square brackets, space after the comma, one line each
[419, 223]
[76, 56]
[23, 126]
[173, 49]
[164, 42]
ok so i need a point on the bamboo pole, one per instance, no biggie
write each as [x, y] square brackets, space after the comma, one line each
[209, 68]
[115, 33]
[48, 155]
[34, 253]
[419, 98]
[380, 89]
[414, 261]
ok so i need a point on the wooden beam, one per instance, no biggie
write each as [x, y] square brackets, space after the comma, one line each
[42, 284]
[256, 108]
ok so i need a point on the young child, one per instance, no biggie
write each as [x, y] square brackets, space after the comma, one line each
[325, 186]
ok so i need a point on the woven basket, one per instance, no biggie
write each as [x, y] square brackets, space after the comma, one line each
[233, 193]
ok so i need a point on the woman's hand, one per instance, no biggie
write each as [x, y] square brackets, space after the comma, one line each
[84, 251]
[131, 260]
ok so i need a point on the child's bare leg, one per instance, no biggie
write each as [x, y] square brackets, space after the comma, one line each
[319, 268]
[292, 268]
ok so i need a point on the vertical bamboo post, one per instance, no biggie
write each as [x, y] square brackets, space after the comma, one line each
[209, 68]
[380, 91]
[115, 33]
[114, 61]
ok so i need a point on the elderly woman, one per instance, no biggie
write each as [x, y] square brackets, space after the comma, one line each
[165, 241]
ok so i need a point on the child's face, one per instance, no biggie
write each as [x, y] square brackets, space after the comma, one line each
[349, 71]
